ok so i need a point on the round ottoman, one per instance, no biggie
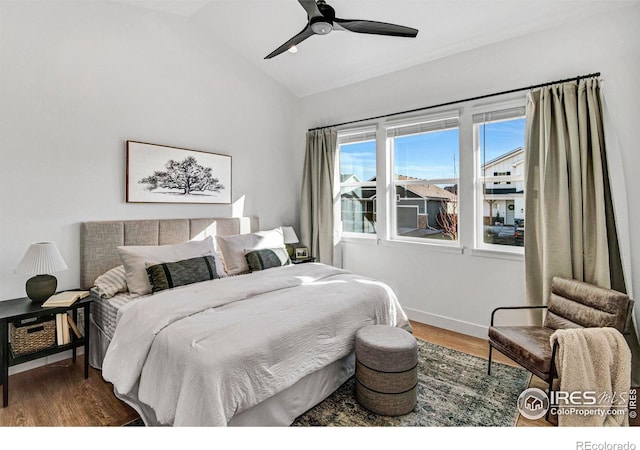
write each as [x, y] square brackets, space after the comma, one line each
[386, 370]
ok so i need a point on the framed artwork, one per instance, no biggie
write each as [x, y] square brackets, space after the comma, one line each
[302, 253]
[162, 174]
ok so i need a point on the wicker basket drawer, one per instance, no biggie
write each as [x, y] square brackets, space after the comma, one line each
[29, 336]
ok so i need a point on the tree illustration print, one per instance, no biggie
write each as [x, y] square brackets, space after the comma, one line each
[186, 176]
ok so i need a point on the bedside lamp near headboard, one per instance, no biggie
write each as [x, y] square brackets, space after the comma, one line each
[290, 237]
[41, 259]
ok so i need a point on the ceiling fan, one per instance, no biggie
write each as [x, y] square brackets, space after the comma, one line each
[322, 20]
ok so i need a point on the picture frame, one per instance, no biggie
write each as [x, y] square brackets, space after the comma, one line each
[158, 174]
[302, 253]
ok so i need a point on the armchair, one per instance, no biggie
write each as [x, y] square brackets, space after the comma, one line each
[572, 304]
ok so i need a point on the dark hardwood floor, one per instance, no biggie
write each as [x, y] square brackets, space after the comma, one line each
[58, 394]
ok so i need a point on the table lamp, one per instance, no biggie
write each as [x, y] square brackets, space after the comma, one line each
[41, 259]
[290, 237]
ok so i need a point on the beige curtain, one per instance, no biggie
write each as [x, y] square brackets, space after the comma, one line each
[570, 224]
[317, 204]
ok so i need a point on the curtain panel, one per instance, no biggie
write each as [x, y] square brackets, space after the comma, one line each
[317, 200]
[570, 222]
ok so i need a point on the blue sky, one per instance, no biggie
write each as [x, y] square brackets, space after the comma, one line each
[501, 137]
[432, 155]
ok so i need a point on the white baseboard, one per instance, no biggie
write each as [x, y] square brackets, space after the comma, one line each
[44, 361]
[459, 326]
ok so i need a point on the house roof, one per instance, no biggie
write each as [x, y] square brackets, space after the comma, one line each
[344, 177]
[427, 190]
[503, 157]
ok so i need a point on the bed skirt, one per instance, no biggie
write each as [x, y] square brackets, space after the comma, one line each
[279, 410]
[283, 408]
[98, 343]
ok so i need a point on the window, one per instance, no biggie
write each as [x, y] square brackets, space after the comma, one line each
[425, 158]
[357, 154]
[499, 142]
[452, 178]
[500, 174]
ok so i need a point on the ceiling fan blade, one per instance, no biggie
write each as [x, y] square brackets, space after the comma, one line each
[371, 27]
[291, 42]
[311, 8]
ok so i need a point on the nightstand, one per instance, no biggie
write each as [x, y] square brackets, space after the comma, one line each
[20, 309]
[302, 261]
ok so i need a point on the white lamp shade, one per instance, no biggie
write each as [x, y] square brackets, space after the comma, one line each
[42, 258]
[290, 236]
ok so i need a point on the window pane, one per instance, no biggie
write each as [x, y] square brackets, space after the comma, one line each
[502, 180]
[427, 211]
[427, 155]
[358, 164]
[358, 161]
[358, 206]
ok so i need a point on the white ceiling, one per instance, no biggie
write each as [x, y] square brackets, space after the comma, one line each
[185, 8]
[254, 28]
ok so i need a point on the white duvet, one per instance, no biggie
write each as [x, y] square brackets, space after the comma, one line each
[202, 353]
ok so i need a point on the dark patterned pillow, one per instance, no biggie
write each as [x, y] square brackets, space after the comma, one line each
[267, 258]
[173, 274]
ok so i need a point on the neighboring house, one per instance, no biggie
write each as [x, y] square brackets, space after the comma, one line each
[349, 178]
[418, 204]
[504, 200]
[358, 205]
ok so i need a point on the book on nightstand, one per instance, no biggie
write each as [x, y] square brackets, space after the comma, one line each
[62, 329]
[65, 329]
[59, 337]
[66, 298]
[73, 326]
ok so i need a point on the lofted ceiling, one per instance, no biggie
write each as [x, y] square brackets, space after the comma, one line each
[254, 28]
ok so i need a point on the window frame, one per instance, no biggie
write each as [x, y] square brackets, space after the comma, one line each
[350, 136]
[441, 117]
[479, 180]
[467, 195]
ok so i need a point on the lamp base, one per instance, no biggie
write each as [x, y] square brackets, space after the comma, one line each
[290, 250]
[41, 287]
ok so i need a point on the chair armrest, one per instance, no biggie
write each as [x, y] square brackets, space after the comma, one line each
[514, 307]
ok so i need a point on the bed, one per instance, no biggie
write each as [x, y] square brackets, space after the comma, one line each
[253, 349]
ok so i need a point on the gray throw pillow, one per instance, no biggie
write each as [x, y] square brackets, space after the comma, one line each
[180, 273]
[267, 258]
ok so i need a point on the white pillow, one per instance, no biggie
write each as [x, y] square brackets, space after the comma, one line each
[111, 282]
[135, 257]
[234, 247]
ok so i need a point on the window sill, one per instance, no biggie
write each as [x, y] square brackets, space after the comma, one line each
[497, 254]
[364, 239]
[431, 246]
[372, 240]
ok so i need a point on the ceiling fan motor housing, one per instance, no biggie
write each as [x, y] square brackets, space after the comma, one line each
[324, 24]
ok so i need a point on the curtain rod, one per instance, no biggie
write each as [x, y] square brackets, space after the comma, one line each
[577, 78]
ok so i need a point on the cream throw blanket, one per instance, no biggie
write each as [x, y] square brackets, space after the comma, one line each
[596, 360]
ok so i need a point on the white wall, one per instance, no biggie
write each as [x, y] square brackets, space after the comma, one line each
[77, 79]
[459, 290]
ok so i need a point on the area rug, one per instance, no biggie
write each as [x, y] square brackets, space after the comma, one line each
[454, 390]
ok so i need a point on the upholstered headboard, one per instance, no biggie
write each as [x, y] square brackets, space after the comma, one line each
[99, 240]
